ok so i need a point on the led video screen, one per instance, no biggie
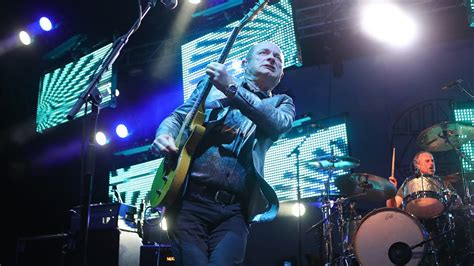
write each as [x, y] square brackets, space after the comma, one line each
[465, 113]
[60, 89]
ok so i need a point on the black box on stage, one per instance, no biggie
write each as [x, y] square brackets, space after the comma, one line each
[106, 216]
[113, 239]
[104, 248]
[113, 247]
[149, 255]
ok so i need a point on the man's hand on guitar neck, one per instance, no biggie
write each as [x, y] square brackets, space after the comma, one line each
[220, 78]
[164, 144]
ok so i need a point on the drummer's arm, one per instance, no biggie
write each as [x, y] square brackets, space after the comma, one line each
[395, 202]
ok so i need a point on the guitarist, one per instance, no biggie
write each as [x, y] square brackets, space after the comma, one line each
[225, 190]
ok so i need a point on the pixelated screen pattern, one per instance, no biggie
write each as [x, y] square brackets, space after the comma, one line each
[60, 89]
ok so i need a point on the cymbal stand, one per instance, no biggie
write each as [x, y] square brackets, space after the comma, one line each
[326, 209]
[327, 225]
[467, 194]
[461, 155]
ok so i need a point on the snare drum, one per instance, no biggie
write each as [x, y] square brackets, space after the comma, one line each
[382, 228]
[424, 196]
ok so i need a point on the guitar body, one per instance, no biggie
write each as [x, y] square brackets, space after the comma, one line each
[168, 180]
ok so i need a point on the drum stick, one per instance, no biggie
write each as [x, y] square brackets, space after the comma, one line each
[393, 161]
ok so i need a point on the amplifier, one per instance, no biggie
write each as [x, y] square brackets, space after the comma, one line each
[106, 216]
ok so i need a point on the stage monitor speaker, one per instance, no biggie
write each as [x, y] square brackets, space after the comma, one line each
[110, 247]
[104, 247]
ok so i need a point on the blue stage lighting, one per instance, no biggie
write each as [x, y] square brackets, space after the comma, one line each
[122, 131]
[45, 24]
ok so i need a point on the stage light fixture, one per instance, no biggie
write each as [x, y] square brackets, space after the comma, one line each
[101, 138]
[388, 23]
[294, 209]
[122, 131]
[45, 24]
[24, 37]
[163, 224]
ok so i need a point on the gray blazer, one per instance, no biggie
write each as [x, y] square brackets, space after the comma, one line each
[264, 121]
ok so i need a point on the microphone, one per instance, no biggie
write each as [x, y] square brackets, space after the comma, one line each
[170, 4]
[451, 84]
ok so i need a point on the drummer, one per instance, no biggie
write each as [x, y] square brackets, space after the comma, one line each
[424, 164]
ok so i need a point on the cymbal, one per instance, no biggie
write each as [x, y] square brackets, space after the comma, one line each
[445, 136]
[371, 187]
[330, 162]
[453, 178]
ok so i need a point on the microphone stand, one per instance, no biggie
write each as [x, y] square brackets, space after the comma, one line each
[469, 95]
[92, 95]
[296, 152]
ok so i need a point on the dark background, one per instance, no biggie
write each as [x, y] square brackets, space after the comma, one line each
[388, 95]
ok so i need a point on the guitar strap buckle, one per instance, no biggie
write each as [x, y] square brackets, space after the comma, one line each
[224, 197]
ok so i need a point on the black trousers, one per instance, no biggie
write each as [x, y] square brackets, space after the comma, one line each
[205, 232]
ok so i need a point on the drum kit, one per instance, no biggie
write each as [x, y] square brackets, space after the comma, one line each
[431, 228]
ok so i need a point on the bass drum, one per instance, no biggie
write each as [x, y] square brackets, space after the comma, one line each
[383, 227]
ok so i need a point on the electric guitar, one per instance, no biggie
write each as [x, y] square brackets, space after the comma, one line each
[172, 171]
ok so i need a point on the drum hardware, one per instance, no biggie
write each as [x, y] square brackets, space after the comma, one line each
[375, 188]
[380, 229]
[333, 208]
[447, 136]
[400, 253]
[453, 178]
[329, 164]
[424, 196]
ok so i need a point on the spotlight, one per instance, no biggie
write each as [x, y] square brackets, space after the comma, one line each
[195, 1]
[122, 131]
[388, 23]
[100, 138]
[45, 24]
[24, 37]
[163, 224]
[295, 211]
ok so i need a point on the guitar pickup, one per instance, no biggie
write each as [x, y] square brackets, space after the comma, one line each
[165, 178]
[158, 192]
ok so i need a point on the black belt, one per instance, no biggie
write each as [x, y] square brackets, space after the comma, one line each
[217, 195]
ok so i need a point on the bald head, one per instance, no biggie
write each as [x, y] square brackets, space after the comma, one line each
[263, 65]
